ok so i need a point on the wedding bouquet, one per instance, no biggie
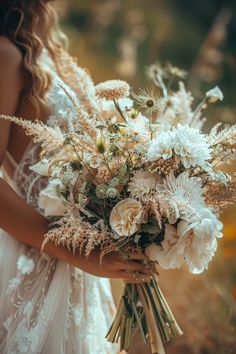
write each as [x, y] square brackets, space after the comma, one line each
[138, 175]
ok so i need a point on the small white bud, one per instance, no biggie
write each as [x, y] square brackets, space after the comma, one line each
[214, 95]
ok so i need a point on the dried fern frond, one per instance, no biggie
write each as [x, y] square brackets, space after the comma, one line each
[50, 138]
[223, 154]
[77, 234]
[226, 136]
[221, 195]
[78, 79]
[82, 122]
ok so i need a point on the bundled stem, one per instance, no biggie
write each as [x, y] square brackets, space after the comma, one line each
[143, 307]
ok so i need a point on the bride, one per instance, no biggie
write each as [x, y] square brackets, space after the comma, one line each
[52, 302]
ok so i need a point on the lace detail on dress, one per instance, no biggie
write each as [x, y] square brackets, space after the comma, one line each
[27, 182]
[47, 306]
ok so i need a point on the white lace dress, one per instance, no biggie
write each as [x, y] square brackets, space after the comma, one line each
[47, 306]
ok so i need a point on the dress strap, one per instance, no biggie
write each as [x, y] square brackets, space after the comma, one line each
[11, 160]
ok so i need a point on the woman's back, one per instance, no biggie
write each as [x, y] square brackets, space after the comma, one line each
[11, 74]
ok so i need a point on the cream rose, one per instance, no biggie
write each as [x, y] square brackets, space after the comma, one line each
[126, 216]
[49, 200]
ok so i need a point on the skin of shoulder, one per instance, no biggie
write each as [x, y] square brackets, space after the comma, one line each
[11, 84]
[10, 56]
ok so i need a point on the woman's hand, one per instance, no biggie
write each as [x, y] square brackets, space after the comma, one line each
[30, 227]
[115, 266]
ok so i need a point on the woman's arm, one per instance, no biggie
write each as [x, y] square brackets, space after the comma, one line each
[22, 221]
[25, 224]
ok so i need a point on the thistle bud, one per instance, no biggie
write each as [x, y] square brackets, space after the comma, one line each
[112, 192]
[101, 191]
[100, 143]
[133, 113]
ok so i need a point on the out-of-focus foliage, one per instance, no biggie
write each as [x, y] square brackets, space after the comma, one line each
[120, 37]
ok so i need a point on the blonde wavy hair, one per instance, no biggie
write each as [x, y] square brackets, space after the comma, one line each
[18, 22]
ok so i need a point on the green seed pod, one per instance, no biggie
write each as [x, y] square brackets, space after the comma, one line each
[112, 193]
[101, 191]
[114, 182]
[133, 113]
[101, 146]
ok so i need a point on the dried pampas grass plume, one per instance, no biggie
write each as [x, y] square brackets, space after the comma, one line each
[77, 234]
[112, 90]
[50, 138]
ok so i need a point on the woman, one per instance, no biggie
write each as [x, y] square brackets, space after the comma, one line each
[48, 302]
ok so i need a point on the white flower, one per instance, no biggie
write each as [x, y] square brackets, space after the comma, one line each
[178, 108]
[183, 190]
[193, 241]
[109, 109]
[113, 90]
[49, 200]
[168, 209]
[140, 125]
[202, 242]
[214, 95]
[41, 167]
[214, 225]
[191, 146]
[151, 251]
[188, 144]
[161, 146]
[125, 104]
[27, 340]
[142, 184]
[126, 216]
[168, 255]
[25, 265]
[13, 283]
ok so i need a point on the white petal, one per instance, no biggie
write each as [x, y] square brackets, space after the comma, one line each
[151, 251]
[49, 200]
[41, 167]
[214, 95]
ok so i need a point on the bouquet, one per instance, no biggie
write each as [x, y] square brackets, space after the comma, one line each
[138, 175]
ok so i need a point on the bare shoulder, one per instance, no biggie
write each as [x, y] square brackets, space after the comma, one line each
[10, 55]
[11, 78]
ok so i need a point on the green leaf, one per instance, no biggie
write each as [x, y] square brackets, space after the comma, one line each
[151, 229]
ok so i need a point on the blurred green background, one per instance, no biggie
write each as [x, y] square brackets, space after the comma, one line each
[119, 39]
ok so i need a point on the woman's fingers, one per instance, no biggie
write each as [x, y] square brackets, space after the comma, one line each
[131, 278]
[123, 257]
[136, 256]
[133, 266]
